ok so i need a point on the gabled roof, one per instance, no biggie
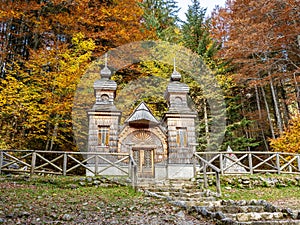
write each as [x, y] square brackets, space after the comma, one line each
[142, 114]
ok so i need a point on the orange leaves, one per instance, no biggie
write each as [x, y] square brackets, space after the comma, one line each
[257, 34]
[36, 94]
[112, 24]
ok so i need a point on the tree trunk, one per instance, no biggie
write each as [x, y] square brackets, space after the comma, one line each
[260, 117]
[258, 102]
[268, 112]
[285, 108]
[276, 106]
[297, 91]
[264, 138]
[54, 135]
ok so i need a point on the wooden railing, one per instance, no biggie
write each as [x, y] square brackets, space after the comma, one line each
[251, 162]
[206, 165]
[133, 173]
[218, 163]
[66, 163]
[222, 163]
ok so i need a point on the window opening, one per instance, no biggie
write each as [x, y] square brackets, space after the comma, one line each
[103, 135]
[181, 137]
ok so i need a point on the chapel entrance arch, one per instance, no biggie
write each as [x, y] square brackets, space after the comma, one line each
[148, 148]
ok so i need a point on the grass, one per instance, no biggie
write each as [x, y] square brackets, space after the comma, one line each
[50, 199]
[62, 200]
[287, 197]
[66, 187]
[269, 194]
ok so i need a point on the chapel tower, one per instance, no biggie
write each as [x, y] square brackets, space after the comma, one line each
[179, 121]
[104, 117]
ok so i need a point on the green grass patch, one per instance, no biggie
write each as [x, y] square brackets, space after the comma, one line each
[266, 193]
[50, 198]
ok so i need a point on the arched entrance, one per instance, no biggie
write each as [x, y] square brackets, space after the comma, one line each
[147, 146]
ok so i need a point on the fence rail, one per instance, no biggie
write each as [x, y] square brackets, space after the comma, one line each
[66, 163]
[222, 163]
[250, 162]
[218, 163]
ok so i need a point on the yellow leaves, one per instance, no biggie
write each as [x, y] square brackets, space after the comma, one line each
[77, 38]
[34, 104]
[289, 139]
[177, 31]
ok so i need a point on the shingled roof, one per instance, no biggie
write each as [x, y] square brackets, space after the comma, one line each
[142, 114]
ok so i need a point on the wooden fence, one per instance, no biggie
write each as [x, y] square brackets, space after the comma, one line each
[67, 163]
[218, 163]
[250, 162]
[222, 163]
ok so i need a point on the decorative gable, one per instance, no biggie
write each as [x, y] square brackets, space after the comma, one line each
[142, 116]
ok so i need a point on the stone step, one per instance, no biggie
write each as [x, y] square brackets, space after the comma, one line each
[225, 212]
[237, 209]
[271, 222]
[187, 195]
[199, 199]
[172, 189]
[152, 183]
[201, 203]
[254, 216]
[195, 194]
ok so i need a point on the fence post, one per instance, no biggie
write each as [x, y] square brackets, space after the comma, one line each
[134, 177]
[218, 182]
[205, 176]
[33, 162]
[193, 146]
[221, 164]
[1, 160]
[96, 164]
[278, 163]
[65, 164]
[250, 163]
[194, 165]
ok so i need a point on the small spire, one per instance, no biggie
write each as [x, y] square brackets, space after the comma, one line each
[176, 76]
[174, 64]
[105, 72]
[105, 59]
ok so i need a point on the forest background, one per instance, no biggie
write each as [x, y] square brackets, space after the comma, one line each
[252, 48]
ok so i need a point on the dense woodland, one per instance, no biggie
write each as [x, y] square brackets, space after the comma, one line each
[252, 47]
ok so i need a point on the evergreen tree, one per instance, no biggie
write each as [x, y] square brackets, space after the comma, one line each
[196, 36]
[162, 17]
[195, 32]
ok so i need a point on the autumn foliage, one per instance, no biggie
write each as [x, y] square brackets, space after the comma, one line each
[45, 48]
[289, 140]
[253, 48]
[261, 40]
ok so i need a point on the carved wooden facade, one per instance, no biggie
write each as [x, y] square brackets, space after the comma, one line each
[161, 149]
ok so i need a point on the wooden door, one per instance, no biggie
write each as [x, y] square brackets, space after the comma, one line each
[145, 162]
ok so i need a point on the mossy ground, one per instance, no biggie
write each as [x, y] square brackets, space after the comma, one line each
[62, 200]
[284, 193]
